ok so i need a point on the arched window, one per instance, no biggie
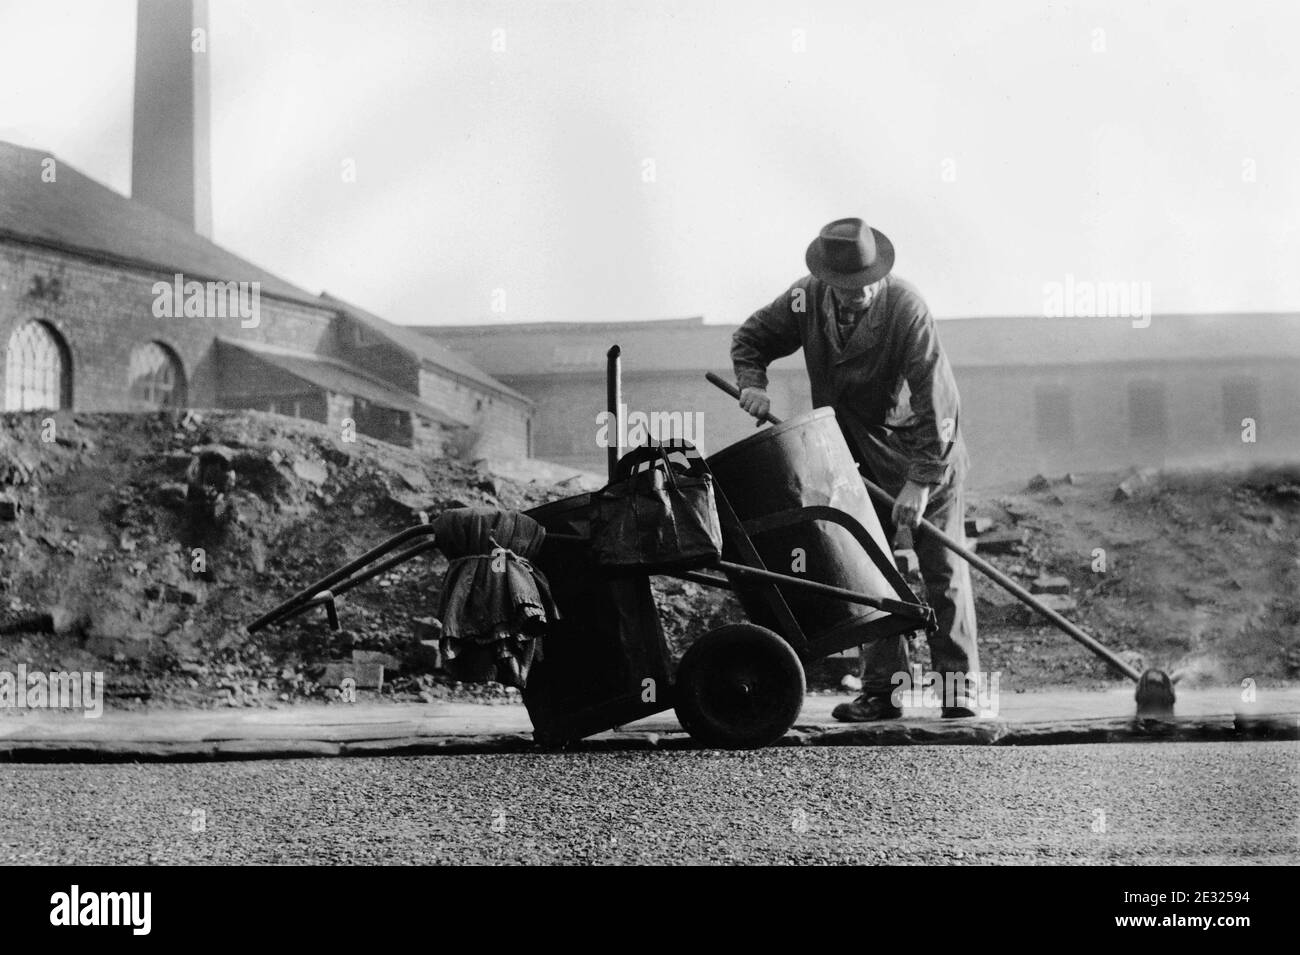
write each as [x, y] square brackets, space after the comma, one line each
[157, 380]
[37, 370]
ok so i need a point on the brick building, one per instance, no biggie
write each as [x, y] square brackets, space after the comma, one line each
[1045, 395]
[82, 269]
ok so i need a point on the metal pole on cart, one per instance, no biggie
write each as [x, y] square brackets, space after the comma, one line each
[614, 405]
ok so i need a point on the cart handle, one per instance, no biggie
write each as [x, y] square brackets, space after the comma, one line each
[303, 598]
[919, 612]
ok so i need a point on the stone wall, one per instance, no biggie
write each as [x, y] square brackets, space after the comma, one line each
[498, 425]
[102, 312]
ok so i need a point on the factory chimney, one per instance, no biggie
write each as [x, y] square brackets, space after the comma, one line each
[170, 150]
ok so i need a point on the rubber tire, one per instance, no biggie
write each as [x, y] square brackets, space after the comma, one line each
[739, 687]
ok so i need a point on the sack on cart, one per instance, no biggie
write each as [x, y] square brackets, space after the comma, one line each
[659, 513]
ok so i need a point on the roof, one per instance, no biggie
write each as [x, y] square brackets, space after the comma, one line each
[425, 349]
[341, 378]
[641, 324]
[688, 345]
[1040, 341]
[76, 214]
[547, 348]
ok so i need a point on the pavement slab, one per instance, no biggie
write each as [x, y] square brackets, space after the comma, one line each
[373, 729]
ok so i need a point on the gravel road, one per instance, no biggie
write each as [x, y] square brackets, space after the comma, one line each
[1157, 803]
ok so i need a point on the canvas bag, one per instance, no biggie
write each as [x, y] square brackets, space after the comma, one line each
[657, 514]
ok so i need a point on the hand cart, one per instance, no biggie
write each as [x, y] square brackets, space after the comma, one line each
[787, 497]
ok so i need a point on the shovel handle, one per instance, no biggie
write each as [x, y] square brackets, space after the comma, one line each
[732, 390]
[983, 566]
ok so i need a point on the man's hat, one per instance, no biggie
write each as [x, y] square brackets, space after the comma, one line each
[848, 253]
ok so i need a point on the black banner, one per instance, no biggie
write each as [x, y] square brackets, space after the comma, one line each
[332, 905]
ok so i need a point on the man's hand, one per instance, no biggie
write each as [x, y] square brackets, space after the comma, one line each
[755, 401]
[909, 506]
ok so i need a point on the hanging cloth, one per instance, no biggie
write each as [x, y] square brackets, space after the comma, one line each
[495, 605]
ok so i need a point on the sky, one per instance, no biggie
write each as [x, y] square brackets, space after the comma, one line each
[641, 159]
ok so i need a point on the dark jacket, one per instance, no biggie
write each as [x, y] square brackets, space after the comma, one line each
[891, 385]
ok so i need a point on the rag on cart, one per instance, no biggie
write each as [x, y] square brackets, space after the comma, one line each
[495, 605]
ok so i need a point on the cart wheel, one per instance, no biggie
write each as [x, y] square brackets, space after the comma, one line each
[739, 687]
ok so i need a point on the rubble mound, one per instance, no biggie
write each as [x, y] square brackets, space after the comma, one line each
[1197, 573]
[106, 562]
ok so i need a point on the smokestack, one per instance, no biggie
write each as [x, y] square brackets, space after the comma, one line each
[171, 165]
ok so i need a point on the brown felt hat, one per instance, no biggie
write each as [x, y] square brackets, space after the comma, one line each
[848, 253]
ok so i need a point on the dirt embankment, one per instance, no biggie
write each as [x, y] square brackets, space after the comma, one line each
[102, 566]
[1197, 573]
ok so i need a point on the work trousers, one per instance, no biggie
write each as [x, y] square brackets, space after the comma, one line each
[953, 647]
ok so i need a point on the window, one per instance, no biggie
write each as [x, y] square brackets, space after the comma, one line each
[1147, 418]
[156, 377]
[1240, 400]
[1053, 416]
[37, 369]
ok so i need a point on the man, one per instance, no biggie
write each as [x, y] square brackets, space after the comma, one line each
[872, 353]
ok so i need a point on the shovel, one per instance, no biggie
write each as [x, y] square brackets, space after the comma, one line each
[1155, 689]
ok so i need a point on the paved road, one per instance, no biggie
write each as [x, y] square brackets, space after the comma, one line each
[1157, 803]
